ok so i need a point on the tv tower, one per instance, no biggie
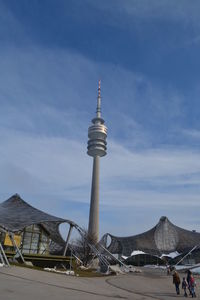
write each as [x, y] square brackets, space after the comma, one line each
[97, 134]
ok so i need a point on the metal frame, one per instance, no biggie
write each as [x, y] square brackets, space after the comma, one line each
[3, 257]
[11, 235]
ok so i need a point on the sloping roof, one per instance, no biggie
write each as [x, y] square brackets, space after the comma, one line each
[165, 237]
[16, 214]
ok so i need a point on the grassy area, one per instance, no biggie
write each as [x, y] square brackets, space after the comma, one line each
[88, 273]
[77, 271]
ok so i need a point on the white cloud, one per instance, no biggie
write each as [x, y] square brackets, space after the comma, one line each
[53, 161]
[60, 167]
[42, 88]
[48, 99]
[136, 15]
[152, 163]
[44, 118]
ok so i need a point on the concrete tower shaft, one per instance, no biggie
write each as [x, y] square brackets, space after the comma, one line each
[97, 134]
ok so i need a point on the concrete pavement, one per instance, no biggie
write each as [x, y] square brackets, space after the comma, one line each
[18, 283]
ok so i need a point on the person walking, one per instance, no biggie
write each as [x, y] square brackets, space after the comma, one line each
[192, 286]
[168, 269]
[189, 273]
[184, 286]
[176, 281]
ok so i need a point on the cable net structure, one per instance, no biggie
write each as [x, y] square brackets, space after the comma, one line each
[165, 237]
[16, 214]
[36, 230]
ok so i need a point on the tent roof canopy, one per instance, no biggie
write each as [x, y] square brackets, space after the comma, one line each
[165, 237]
[16, 214]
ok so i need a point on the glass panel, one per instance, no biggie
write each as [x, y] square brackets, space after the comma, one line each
[43, 251]
[42, 248]
[35, 240]
[27, 235]
[36, 228]
[26, 246]
[43, 238]
[27, 240]
[35, 237]
[29, 228]
[25, 250]
[2, 237]
[34, 244]
[34, 248]
[35, 251]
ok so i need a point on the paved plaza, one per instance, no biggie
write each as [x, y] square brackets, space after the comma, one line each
[17, 283]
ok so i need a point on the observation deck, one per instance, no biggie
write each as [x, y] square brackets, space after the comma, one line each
[97, 133]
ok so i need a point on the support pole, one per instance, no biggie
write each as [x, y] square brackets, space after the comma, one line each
[186, 255]
[1, 257]
[16, 247]
[67, 239]
[118, 260]
[4, 257]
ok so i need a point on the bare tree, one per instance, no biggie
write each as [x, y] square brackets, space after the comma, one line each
[82, 248]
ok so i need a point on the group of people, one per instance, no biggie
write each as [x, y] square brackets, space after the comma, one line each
[188, 283]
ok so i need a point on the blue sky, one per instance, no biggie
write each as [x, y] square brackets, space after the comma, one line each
[146, 53]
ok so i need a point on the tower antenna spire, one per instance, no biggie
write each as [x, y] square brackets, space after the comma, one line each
[98, 112]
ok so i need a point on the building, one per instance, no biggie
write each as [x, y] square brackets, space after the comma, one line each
[163, 238]
[30, 231]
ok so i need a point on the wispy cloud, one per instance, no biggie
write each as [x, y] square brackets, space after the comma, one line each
[138, 16]
[169, 10]
[192, 133]
[52, 165]
[153, 162]
[57, 171]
